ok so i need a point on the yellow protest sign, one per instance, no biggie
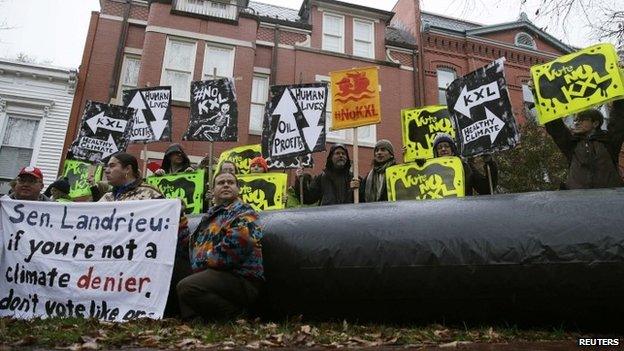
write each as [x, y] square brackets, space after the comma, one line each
[355, 98]
[263, 191]
[576, 82]
[419, 128]
[438, 178]
[241, 156]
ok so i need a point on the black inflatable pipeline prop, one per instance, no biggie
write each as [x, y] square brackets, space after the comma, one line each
[536, 258]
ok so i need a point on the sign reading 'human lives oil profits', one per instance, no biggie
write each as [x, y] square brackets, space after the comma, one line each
[438, 178]
[419, 128]
[355, 98]
[576, 82]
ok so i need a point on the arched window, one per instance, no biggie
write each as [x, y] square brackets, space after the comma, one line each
[525, 40]
[445, 77]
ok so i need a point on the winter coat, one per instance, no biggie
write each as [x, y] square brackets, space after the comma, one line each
[137, 190]
[166, 162]
[228, 238]
[381, 193]
[331, 187]
[592, 159]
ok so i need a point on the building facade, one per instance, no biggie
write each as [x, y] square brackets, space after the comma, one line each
[35, 104]
[135, 43]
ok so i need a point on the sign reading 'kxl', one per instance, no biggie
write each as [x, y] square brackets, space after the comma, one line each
[105, 130]
[482, 111]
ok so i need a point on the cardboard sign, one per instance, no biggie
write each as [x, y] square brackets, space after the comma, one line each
[263, 191]
[110, 261]
[419, 128]
[152, 121]
[438, 178]
[214, 111]
[481, 110]
[77, 174]
[242, 156]
[187, 186]
[576, 82]
[355, 98]
[104, 130]
[294, 122]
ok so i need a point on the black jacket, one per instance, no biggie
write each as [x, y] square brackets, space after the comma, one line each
[593, 158]
[166, 163]
[331, 187]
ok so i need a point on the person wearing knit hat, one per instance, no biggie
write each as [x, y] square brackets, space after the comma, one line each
[335, 185]
[60, 190]
[258, 165]
[375, 182]
[476, 178]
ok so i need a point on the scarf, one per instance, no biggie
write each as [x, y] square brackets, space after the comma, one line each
[376, 179]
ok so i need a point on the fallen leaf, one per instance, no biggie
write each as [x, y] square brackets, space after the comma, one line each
[279, 338]
[268, 343]
[253, 345]
[306, 329]
[188, 342]
[441, 333]
[89, 346]
[184, 328]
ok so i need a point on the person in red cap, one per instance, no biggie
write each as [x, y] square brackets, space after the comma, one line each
[258, 165]
[29, 185]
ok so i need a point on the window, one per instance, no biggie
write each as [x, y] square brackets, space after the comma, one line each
[129, 77]
[223, 9]
[221, 58]
[333, 32]
[18, 142]
[525, 40]
[178, 67]
[363, 42]
[367, 135]
[259, 96]
[445, 77]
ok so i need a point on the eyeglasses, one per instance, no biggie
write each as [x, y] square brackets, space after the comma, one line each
[28, 180]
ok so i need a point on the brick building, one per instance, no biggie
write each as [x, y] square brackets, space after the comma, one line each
[137, 43]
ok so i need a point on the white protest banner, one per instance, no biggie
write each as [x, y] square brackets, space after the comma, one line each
[111, 261]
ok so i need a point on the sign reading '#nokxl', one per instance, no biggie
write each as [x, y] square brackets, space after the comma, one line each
[355, 98]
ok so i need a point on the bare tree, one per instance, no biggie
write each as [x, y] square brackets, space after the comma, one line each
[604, 17]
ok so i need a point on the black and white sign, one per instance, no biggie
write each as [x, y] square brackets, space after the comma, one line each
[152, 121]
[479, 104]
[292, 162]
[105, 130]
[214, 112]
[294, 122]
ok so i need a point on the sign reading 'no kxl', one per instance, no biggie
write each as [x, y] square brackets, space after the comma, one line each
[576, 82]
[355, 98]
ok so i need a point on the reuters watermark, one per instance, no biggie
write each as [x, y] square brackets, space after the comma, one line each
[598, 342]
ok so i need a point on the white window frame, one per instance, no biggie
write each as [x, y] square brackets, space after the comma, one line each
[533, 44]
[444, 69]
[165, 69]
[230, 71]
[264, 96]
[124, 66]
[342, 32]
[371, 52]
[29, 112]
[345, 136]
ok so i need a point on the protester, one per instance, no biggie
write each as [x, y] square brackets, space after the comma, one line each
[122, 173]
[334, 185]
[476, 177]
[60, 190]
[28, 186]
[592, 153]
[228, 167]
[225, 257]
[375, 182]
[258, 165]
[174, 161]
